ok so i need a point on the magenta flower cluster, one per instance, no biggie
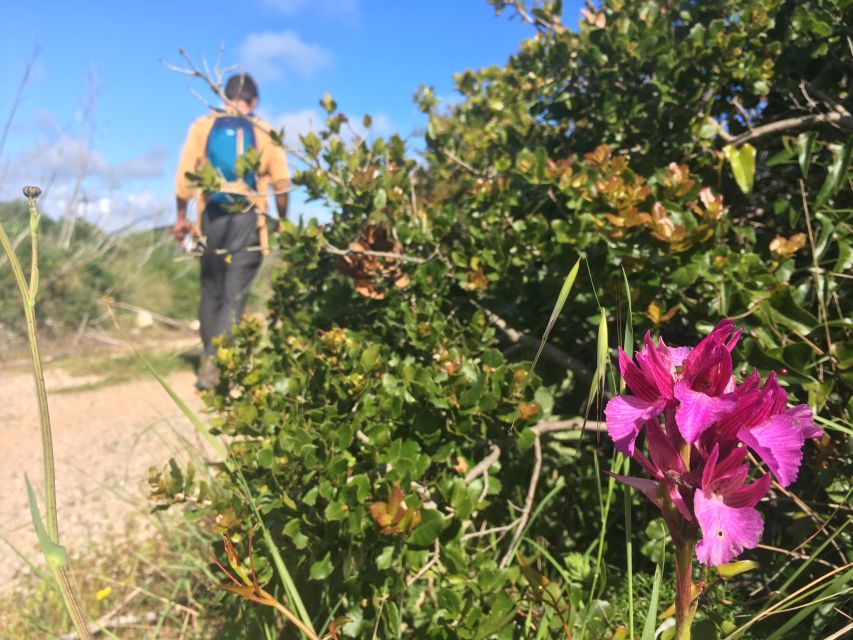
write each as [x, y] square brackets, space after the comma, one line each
[699, 424]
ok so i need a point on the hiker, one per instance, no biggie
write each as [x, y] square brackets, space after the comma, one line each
[231, 228]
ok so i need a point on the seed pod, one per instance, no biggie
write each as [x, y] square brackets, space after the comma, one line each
[31, 193]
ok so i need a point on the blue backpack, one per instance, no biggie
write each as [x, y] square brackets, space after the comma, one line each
[229, 138]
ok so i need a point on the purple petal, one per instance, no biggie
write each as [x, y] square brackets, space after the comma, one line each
[752, 383]
[680, 504]
[664, 455]
[777, 397]
[625, 416]
[656, 366]
[804, 421]
[697, 411]
[726, 531]
[649, 488]
[728, 475]
[778, 441]
[639, 384]
[677, 355]
[710, 468]
[698, 357]
[749, 495]
[732, 343]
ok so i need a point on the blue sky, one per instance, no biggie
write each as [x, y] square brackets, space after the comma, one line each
[99, 103]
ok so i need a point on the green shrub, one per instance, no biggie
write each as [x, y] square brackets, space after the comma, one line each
[378, 372]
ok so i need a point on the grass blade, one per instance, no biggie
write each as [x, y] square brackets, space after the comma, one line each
[558, 307]
[628, 342]
[652, 613]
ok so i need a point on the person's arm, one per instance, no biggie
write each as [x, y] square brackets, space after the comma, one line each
[182, 226]
[281, 201]
[184, 189]
[275, 167]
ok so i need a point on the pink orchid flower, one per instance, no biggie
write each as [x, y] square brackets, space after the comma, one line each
[725, 508]
[697, 458]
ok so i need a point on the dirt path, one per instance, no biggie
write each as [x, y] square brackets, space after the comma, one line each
[105, 440]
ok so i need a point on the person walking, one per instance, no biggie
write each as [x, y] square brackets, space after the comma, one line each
[231, 149]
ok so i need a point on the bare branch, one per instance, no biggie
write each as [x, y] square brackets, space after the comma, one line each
[549, 351]
[436, 556]
[451, 156]
[377, 254]
[743, 113]
[487, 532]
[521, 523]
[572, 424]
[828, 100]
[836, 119]
[484, 464]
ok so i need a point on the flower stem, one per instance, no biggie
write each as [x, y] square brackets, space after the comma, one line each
[28, 298]
[684, 612]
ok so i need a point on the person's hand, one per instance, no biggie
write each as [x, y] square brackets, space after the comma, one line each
[180, 229]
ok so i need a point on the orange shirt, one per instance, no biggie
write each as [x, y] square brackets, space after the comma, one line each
[272, 172]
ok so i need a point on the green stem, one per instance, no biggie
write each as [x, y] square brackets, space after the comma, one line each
[684, 612]
[28, 297]
[38, 376]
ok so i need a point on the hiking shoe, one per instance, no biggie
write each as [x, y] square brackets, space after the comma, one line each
[208, 374]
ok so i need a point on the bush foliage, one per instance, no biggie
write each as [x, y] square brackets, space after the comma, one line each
[697, 152]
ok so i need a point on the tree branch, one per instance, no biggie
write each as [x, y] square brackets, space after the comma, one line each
[552, 353]
[436, 556]
[521, 523]
[572, 424]
[484, 464]
[378, 254]
[835, 118]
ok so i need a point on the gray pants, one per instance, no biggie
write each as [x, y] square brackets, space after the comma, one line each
[225, 282]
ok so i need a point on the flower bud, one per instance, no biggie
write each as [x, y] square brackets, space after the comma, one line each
[31, 193]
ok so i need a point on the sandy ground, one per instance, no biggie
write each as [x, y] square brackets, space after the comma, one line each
[105, 440]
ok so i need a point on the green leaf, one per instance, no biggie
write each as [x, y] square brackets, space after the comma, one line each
[836, 174]
[54, 553]
[328, 104]
[380, 199]
[732, 569]
[294, 531]
[742, 162]
[784, 309]
[386, 559]
[805, 142]
[686, 275]
[780, 158]
[336, 511]
[450, 600]
[322, 569]
[426, 533]
[265, 457]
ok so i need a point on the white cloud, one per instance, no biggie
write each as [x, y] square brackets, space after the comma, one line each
[336, 8]
[300, 122]
[266, 55]
[380, 126]
[295, 123]
[76, 178]
[67, 156]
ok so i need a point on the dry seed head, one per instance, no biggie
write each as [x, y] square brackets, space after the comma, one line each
[31, 193]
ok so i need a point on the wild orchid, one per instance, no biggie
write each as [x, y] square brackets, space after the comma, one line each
[699, 426]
